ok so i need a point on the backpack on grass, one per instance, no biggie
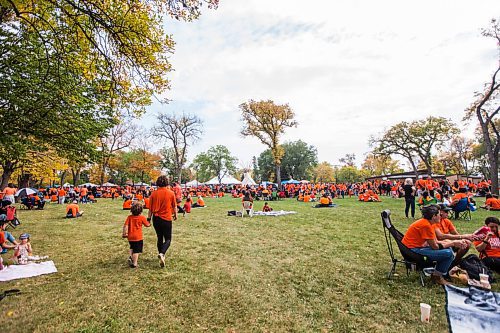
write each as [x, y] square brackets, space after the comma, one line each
[474, 266]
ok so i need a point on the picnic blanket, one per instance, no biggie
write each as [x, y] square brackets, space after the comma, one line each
[275, 213]
[472, 309]
[330, 206]
[13, 272]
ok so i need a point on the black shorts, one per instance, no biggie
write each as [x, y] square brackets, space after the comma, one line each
[136, 246]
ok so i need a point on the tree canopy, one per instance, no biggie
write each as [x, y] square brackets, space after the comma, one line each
[267, 121]
[216, 162]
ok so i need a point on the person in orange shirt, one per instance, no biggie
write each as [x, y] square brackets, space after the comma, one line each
[446, 230]
[127, 204]
[132, 230]
[83, 195]
[489, 246]
[61, 194]
[162, 208]
[421, 238]
[200, 203]
[9, 192]
[72, 210]
[491, 203]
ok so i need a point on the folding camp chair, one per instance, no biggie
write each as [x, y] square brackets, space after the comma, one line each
[462, 210]
[247, 208]
[412, 261]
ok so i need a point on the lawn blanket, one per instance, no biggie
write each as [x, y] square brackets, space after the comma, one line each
[472, 309]
[13, 272]
[331, 206]
[274, 213]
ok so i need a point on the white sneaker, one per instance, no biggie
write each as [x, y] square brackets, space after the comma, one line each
[161, 256]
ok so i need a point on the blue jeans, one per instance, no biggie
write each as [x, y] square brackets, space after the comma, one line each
[443, 257]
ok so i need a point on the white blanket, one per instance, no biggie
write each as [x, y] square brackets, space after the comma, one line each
[472, 309]
[13, 272]
[274, 213]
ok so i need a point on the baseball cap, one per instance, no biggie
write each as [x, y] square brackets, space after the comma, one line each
[24, 236]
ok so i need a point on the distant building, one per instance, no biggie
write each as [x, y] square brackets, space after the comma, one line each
[404, 175]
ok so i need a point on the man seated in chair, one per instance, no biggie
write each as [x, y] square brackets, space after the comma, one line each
[72, 210]
[421, 238]
[446, 230]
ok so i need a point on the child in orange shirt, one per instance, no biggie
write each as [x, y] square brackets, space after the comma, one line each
[132, 230]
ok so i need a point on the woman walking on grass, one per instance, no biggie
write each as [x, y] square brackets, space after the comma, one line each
[162, 209]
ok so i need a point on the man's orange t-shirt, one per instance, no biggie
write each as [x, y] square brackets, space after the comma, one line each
[61, 193]
[83, 191]
[2, 238]
[494, 203]
[445, 226]
[162, 203]
[200, 202]
[459, 196]
[73, 208]
[418, 233]
[135, 224]
[9, 191]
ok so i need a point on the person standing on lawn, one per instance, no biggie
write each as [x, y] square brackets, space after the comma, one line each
[162, 209]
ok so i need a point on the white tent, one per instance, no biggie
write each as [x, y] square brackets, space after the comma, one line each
[247, 180]
[226, 180]
[87, 185]
[193, 183]
[139, 184]
[109, 185]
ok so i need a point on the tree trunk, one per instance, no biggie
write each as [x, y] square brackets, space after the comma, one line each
[63, 175]
[8, 170]
[179, 175]
[76, 176]
[414, 167]
[492, 155]
[278, 175]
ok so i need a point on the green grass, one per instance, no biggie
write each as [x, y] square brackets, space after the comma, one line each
[318, 270]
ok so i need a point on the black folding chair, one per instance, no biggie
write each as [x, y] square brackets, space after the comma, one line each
[411, 260]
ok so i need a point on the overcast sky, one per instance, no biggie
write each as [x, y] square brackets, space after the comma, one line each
[348, 69]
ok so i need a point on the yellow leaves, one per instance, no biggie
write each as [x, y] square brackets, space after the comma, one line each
[266, 121]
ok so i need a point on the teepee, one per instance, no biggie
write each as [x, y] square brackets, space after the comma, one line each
[247, 180]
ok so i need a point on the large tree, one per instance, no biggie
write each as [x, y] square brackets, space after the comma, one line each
[486, 108]
[44, 107]
[114, 140]
[217, 162]
[179, 131]
[376, 165]
[416, 140]
[267, 121]
[298, 162]
[120, 44]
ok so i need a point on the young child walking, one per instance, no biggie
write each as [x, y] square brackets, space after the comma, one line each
[132, 230]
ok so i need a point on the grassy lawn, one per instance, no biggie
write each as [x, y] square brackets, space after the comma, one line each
[318, 270]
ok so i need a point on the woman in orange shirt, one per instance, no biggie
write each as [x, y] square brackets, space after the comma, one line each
[162, 208]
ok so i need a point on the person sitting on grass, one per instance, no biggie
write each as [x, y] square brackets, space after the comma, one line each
[324, 201]
[23, 250]
[426, 199]
[421, 238]
[72, 210]
[127, 204]
[200, 203]
[132, 230]
[489, 245]
[266, 208]
[491, 203]
[6, 236]
[187, 205]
